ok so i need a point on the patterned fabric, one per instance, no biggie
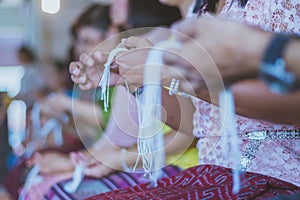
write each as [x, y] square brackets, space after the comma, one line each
[204, 182]
[274, 157]
[281, 16]
[278, 158]
[90, 186]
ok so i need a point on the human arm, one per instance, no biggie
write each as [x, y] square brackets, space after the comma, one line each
[239, 45]
[87, 112]
[253, 99]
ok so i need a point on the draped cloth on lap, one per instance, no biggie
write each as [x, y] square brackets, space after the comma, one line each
[92, 186]
[205, 182]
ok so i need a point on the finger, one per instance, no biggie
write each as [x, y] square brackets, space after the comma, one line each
[73, 78]
[74, 68]
[100, 57]
[86, 86]
[81, 79]
[30, 162]
[34, 159]
[74, 158]
[87, 60]
[136, 42]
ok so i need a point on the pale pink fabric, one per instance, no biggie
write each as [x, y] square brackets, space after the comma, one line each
[281, 16]
[122, 128]
[278, 158]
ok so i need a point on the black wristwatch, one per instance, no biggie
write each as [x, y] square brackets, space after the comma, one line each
[273, 67]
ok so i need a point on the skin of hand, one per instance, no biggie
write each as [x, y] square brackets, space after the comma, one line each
[99, 165]
[88, 71]
[132, 62]
[48, 167]
[5, 196]
[218, 57]
[51, 107]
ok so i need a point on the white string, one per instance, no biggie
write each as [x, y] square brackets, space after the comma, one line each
[105, 79]
[32, 179]
[40, 133]
[231, 139]
[150, 139]
[78, 176]
[56, 127]
[35, 118]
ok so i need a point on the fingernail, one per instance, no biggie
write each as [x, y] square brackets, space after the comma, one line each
[75, 72]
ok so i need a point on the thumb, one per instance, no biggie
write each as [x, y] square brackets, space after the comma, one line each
[136, 42]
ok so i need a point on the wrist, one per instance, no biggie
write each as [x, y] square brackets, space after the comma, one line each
[273, 70]
[258, 43]
[291, 55]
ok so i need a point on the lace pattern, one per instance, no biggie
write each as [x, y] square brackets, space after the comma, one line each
[276, 157]
[279, 158]
[271, 15]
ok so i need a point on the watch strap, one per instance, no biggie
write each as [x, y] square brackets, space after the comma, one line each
[273, 67]
[276, 48]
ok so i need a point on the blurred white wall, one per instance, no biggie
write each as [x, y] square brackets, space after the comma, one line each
[22, 21]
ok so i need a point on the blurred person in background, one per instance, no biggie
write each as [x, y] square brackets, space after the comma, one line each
[33, 81]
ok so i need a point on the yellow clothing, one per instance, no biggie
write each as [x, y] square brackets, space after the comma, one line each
[184, 160]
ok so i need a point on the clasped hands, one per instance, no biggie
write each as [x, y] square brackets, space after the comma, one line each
[214, 52]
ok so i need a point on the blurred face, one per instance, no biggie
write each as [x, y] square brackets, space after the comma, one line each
[119, 12]
[87, 39]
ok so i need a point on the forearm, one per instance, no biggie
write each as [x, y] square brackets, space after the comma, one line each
[292, 57]
[253, 99]
[87, 112]
[178, 112]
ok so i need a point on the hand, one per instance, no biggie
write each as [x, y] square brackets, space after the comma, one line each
[87, 71]
[99, 166]
[131, 63]
[219, 50]
[51, 162]
[50, 106]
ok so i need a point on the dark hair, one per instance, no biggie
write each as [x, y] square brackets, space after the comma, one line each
[151, 13]
[243, 2]
[95, 16]
[210, 5]
[27, 52]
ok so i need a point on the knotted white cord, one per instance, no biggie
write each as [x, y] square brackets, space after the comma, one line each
[105, 79]
[229, 129]
[150, 140]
